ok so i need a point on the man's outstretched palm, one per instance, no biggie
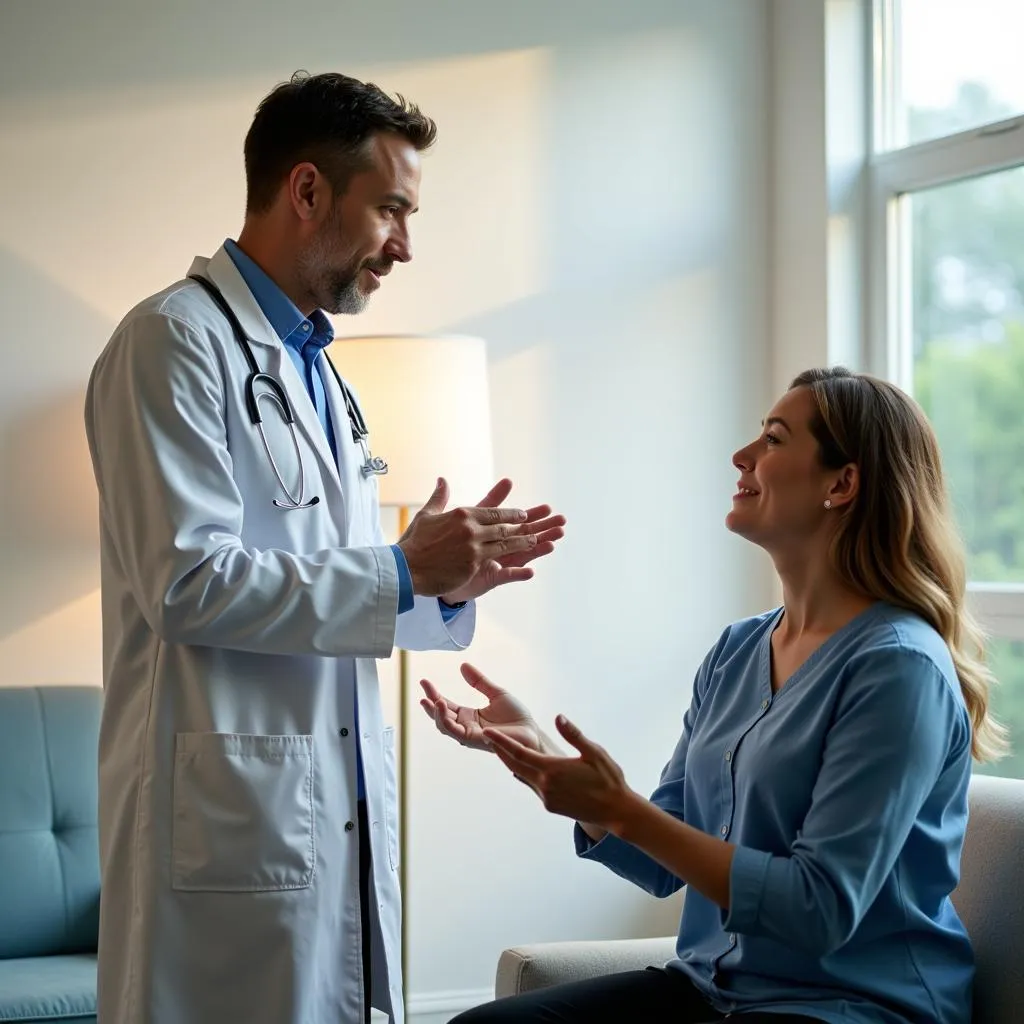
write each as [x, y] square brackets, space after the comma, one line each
[466, 725]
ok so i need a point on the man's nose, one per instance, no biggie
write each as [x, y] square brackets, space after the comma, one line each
[399, 248]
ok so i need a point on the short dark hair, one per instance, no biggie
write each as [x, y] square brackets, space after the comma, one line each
[327, 119]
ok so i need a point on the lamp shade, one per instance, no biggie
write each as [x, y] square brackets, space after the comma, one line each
[427, 408]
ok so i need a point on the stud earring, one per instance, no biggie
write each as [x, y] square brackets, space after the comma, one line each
[828, 503]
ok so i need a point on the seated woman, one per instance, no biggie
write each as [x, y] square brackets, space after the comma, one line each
[815, 804]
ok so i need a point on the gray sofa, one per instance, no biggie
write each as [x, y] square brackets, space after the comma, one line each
[990, 899]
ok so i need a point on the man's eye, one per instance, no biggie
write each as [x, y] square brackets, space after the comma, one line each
[771, 439]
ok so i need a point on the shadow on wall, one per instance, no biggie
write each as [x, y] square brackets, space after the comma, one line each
[49, 537]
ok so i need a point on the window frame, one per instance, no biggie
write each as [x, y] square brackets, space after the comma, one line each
[892, 173]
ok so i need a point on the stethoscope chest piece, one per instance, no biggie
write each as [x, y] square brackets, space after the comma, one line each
[261, 386]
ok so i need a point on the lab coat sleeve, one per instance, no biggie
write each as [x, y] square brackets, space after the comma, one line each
[171, 514]
[422, 627]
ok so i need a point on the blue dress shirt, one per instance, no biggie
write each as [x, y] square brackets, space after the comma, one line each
[845, 794]
[304, 339]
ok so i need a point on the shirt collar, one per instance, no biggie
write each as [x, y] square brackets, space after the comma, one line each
[283, 315]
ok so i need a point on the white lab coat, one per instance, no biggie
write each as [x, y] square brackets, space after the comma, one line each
[236, 636]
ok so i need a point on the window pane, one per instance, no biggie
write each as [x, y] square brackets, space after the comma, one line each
[967, 333]
[1006, 658]
[958, 64]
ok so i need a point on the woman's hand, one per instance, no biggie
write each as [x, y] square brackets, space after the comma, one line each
[590, 788]
[504, 716]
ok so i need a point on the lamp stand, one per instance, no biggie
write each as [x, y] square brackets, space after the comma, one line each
[403, 786]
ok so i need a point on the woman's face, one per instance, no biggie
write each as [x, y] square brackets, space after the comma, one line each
[782, 488]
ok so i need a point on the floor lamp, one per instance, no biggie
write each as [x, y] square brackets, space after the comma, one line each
[426, 403]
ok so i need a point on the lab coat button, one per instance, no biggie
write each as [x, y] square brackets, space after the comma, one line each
[343, 732]
[349, 825]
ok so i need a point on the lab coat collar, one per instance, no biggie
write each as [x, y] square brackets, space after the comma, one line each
[221, 270]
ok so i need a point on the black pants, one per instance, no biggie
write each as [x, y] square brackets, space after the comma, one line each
[364, 904]
[657, 994]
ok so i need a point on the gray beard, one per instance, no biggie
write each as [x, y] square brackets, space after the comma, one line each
[345, 297]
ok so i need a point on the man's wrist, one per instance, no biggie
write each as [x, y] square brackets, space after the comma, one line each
[452, 604]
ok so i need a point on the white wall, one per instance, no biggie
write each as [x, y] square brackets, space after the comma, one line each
[595, 208]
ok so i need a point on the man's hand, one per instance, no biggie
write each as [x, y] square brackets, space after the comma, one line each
[510, 568]
[461, 554]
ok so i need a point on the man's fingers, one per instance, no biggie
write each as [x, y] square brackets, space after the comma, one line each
[513, 574]
[437, 501]
[497, 494]
[480, 682]
[497, 516]
[544, 546]
[540, 513]
[510, 545]
[550, 523]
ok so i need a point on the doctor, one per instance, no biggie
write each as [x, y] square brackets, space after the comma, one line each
[247, 789]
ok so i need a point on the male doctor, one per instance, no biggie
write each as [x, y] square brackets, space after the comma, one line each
[247, 791]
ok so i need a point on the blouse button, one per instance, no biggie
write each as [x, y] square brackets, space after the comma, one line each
[764, 704]
[728, 755]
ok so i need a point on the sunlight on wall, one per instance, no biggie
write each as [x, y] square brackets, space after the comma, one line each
[62, 647]
[478, 241]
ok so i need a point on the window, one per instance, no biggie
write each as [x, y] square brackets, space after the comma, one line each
[947, 282]
[1007, 660]
[954, 65]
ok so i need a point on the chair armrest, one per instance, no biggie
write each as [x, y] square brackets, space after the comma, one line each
[523, 968]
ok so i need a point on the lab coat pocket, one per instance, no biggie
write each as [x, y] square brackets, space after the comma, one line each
[243, 813]
[391, 796]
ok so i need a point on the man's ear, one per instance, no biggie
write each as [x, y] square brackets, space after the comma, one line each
[307, 190]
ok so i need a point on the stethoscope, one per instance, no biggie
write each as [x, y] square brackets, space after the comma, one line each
[372, 465]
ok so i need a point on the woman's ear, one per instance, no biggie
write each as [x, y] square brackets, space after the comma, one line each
[845, 487]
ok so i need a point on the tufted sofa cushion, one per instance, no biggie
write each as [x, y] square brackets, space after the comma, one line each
[49, 850]
[49, 988]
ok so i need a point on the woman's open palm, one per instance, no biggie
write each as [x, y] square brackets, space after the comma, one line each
[503, 713]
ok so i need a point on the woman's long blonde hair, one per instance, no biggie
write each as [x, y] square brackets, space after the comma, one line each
[897, 542]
